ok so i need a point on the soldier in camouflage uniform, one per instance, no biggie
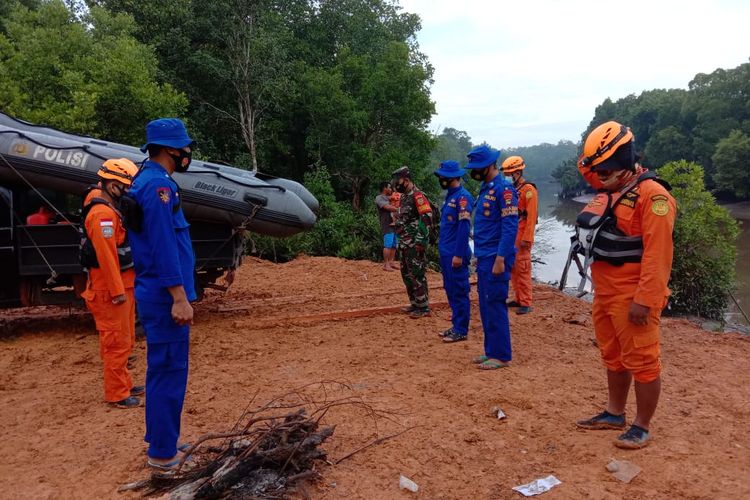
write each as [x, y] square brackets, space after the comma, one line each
[413, 228]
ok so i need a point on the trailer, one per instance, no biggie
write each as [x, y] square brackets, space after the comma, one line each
[44, 174]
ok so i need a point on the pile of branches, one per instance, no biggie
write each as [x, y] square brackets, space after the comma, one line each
[265, 454]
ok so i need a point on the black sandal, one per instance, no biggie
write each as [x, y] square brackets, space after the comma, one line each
[454, 337]
[445, 333]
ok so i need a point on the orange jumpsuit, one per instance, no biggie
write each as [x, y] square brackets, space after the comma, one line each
[528, 209]
[115, 323]
[623, 345]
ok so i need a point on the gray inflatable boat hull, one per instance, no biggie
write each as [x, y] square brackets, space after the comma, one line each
[49, 158]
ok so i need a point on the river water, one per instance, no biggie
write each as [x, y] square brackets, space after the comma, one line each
[552, 241]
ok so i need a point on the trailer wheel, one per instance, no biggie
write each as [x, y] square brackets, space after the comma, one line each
[30, 292]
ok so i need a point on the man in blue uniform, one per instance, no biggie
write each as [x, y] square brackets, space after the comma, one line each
[164, 285]
[495, 228]
[453, 247]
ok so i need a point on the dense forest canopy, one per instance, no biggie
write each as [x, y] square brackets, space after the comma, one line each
[709, 124]
[282, 85]
[287, 86]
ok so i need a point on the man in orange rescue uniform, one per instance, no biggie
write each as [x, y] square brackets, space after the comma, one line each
[528, 202]
[632, 263]
[109, 291]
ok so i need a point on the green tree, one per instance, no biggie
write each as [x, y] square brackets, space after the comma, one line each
[368, 116]
[340, 231]
[339, 83]
[705, 236]
[732, 163]
[716, 104]
[450, 144]
[542, 159]
[675, 124]
[88, 76]
[668, 144]
[571, 181]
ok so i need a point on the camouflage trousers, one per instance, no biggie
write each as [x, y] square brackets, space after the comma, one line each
[413, 268]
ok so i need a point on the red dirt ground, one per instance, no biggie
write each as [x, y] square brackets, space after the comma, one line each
[271, 333]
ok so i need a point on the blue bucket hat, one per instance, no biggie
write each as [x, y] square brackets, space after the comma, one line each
[482, 156]
[449, 169]
[170, 132]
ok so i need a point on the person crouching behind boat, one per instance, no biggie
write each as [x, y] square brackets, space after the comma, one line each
[164, 286]
[109, 289]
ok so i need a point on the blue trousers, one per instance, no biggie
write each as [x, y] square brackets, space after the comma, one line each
[166, 377]
[493, 292]
[456, 283]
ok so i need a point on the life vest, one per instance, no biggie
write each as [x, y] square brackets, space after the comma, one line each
[597, 236]
[87, 253]
[522, 214]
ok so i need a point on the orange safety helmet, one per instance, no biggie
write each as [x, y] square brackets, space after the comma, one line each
[603, 141]
[120, 169]
[513, 164]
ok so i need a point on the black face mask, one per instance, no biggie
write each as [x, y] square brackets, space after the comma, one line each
[115, 191]
[179, 164]
[445, 182]
[401, 187]
[479, 174]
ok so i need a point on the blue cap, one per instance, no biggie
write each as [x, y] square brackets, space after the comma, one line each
[170, 132]
[482, 156]
[449, 169]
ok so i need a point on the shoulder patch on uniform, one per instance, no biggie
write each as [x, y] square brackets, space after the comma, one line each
[463, 202]
[660, 205]
[529, 194]
[508, 196]
[108, 231]
[163, 194]
[658, 197]
[423, 206]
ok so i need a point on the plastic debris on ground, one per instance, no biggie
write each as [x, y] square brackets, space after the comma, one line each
[405, 483]
[498, 412]
[538, 486]
[623, 470]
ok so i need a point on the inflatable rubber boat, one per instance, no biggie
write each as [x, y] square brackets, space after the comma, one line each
[212, 193]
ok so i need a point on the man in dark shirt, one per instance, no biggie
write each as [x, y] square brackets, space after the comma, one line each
[385, 211]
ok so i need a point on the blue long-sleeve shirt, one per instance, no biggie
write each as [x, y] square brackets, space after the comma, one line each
[496, 219]
[455, 223]
[162, 250]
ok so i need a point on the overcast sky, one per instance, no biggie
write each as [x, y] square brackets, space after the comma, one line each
[531, 71]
